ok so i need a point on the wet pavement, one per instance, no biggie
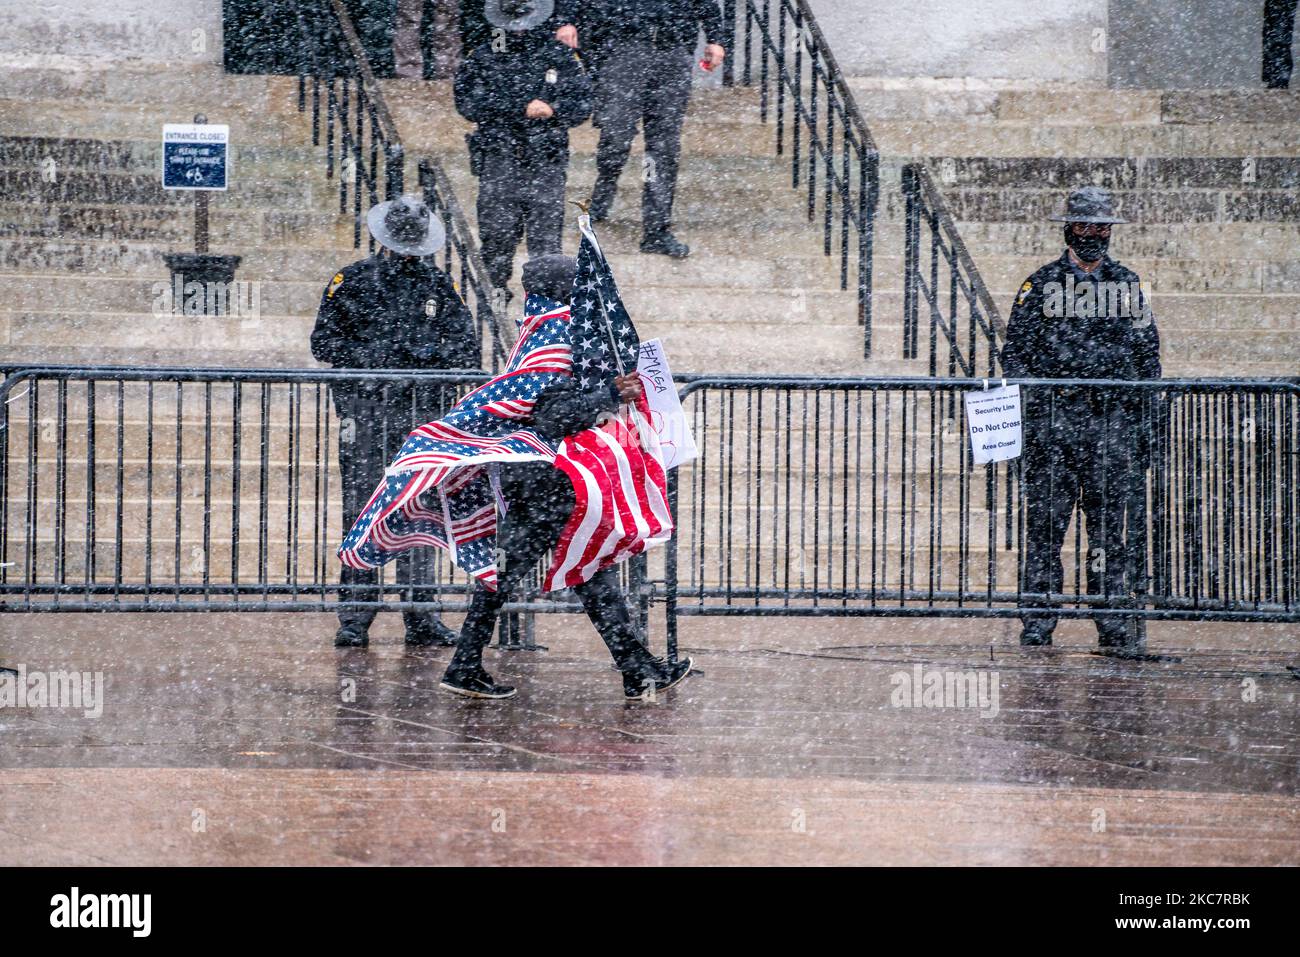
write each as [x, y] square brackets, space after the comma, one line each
[800, 742]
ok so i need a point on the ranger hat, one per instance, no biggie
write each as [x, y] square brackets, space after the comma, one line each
[407, 226]
[1091, 204]
[518, 15]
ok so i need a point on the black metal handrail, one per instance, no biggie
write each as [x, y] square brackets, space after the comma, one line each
[367, 140]
[461, 259]
[952, 279]
[360, 136]
[794, 63]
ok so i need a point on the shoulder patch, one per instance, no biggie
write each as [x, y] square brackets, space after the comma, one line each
[1024, 291]
[334, 285]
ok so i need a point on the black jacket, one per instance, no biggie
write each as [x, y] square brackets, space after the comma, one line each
[565, 408]
[1043, 343]
[494, 87]
[388, 312]
[670, 24]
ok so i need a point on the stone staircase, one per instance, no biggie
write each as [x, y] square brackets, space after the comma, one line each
[80, 256]
[85, 221]
[81, 246]
[756, 295]
[1210, 179]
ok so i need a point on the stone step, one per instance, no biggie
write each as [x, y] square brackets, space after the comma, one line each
[929, 137]
[694, 305]
[909, 98]
[145, 156]
[1034, 205]
[808, 272]
[756, 345]
[1256, 241]
[305, 194]
[173, 225]
[102, 121]
[1245, 173]
[26, 257]
[1163, 276]
[185, 90]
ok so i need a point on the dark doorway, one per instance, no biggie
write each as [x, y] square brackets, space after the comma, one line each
[275, 36]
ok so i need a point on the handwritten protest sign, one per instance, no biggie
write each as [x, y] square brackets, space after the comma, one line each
[666, 415]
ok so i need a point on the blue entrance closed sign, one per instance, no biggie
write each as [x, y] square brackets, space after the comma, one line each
[195, 156]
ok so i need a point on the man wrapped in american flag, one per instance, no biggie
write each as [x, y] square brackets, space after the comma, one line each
[553, 455]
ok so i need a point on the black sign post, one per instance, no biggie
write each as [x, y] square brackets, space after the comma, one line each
[196, 158]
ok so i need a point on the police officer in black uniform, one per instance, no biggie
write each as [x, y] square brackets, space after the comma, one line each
[524, 89]
[395, 310]
[1083, 316]
[539, 500]
[643, 55]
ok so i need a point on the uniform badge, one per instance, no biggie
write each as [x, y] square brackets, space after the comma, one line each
[552, 76]
[431, 307]
[1024, 291]
[334, 285]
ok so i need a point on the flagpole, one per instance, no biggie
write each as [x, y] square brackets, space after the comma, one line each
[584, 226]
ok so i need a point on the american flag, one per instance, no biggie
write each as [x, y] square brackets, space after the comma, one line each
[438, 491]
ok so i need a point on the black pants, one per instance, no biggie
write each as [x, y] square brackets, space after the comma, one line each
[638, 82]
[373, 424]
[1075, 454]
[540, 500]
[519, 192]
[1279, 31]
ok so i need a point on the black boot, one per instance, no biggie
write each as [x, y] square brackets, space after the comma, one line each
[474, 684]
[664, 243]
[1035, 637]
[352, 635]
[602, 198]
[639, 684]
[429, 632]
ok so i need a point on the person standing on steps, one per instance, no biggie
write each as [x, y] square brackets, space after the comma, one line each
[524, 90]
[642, 53]
[394, 310]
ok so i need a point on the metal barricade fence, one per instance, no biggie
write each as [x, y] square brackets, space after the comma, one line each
[218, 490]
[859, 497]
[129, 489]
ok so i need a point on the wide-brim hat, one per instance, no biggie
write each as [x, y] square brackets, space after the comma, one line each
[407, 226]
[518, 15]
[1091, 204]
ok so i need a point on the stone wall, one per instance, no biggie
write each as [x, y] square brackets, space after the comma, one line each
[1149, 44]
[1098, 43]
[74, 33]
[1021, 39]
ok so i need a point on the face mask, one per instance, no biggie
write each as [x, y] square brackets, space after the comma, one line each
[1088, 248]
